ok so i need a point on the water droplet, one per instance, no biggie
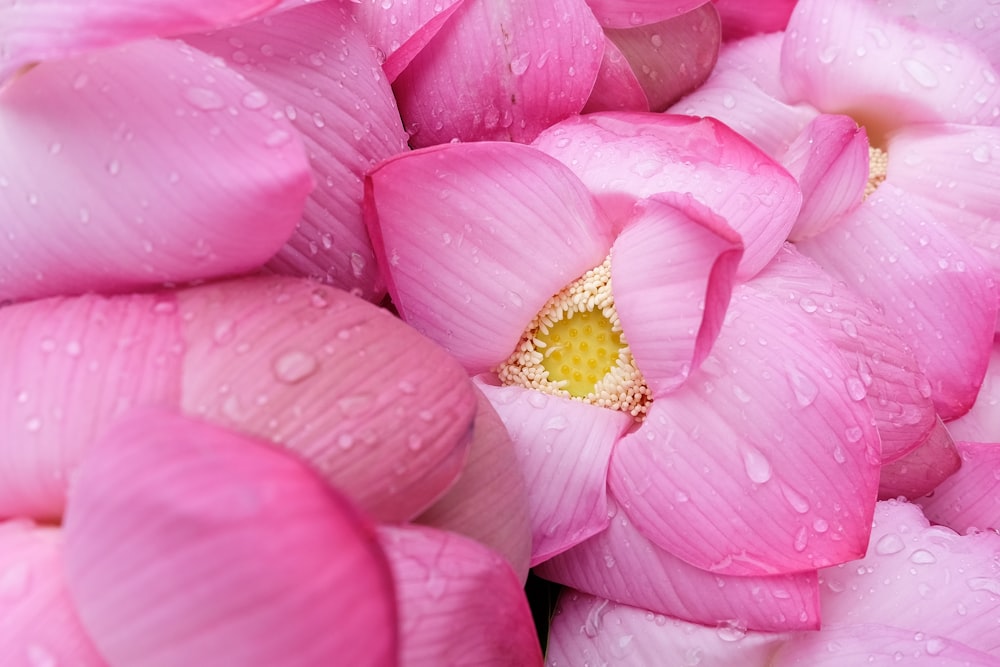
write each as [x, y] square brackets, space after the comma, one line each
[728, 101]
[254, 100]
[805, 389]
[519, 65]
[757, 467]
[923, 557]
[853, 434]
[801, 539]
[33, 424]
[935, 646]
[556, 423]
[984, 584]
[981, 154]
[808, 304]
[204, 99]
[731, 631]
[345, 441]
[294, 366]
[920, 72]
[856, 388]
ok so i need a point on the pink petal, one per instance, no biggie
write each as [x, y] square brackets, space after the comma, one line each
[932, 286]
[346, 130]
[829, 159]
[921, 578]
[741, 19]
[669, 58]
[622, 565]
[187, 543]
[970, 498]
[886, 72]
[454, 226]
[974, 21]
[146, 177]
[381, 412]
[489, 501]
[922, 469]
[563, 447]
[896, 389]
[982, 422]
[617, 87]
[40, 625]
[673, 267]
[34, 30]
[623, 157]
[711, 476]
[490, 72]
[459, 602]
[618, 14]
[72, 366]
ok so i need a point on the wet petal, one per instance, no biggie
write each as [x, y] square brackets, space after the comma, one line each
[189, 543]
[970, 498]
[982, 422]
[616, 87]
[741, 19]
[118, 172]
[922, 469]
[459, 602]
[474, 238]
[617, 14]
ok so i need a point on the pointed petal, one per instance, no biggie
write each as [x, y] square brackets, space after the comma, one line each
[623, 157]
[72, 366]
[459, 602]
[673, 269]
[36, 30]
[145, 178]
[40, 625]
[932, 286]
[741, 19]
[505, 59]
[489, 501]
[617, 14]
[922, 578]
[922, 469]
[563, 447]
[885, 71]
[829, 159]
[187, 543]
[473, 239]
[381, 412]
[710, 476]
[346, 130]
[982, 422]
[616, 87]
[622, 565]
[587, 629]
[969, 499]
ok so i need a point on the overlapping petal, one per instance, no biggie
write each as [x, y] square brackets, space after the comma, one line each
[139, 173]
[617, 86]
[923, 468]
[617, 14]
[741, 19]
[982, 422]
[763, 462]
[187, 543]
[970, 498]
[473, 239]
[975, 21]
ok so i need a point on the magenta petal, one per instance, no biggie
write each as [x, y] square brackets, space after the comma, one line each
[618, 14]
[455, 226]
[145, 177]
[741, 19]
[563, 447]
[921, 578]
[932, 286]
[189, 544]
[970, 498]
[347, 129]
[40, 625]
[982, 422]
[459, 602]
[490, 72]
[617, 87]
[673, 268]
[622, 565]
[921, 470]
[712, 476]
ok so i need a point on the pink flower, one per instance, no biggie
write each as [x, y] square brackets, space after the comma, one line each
[922, 595]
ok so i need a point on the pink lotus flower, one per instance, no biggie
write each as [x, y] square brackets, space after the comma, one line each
[131, 160]
[186, 543]
[476, 239]
[740, 19]
[922, 595]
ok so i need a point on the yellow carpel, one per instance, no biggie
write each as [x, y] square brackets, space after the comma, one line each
[580, 350]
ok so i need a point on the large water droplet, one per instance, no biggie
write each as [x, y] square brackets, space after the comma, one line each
[294, 366]
[758, 468]
[204, 99]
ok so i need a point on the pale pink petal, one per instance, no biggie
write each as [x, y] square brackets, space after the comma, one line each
[672, 269]
[630, 13]
[127, 168]
[623, 157]
[380, 411]
[921, 578]
[887, 374]
[741, 19]
[921, 470]
[765, 461]
[588, 630]
[563, 447]
[454, 228]
[190, 544]
[975, 21]
[669, 58]
[971, 497]
[617, 87]
[34, 30]
[73, 365]
[489, 501]
[490, 72]
[982, 422]
[886, 72]
[459, 602]
[346, 129]
[934, 289]
[879, 645]
[622, 565]
[40, 625]
[829, 159]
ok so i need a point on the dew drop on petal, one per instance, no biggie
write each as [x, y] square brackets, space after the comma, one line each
[294, 366]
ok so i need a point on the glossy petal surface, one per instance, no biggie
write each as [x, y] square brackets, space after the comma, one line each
[982, 422]
[971, 497]
[922, 469]
[616, 14]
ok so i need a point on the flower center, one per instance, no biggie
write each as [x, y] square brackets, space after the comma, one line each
[575, 348]
[878, 167]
